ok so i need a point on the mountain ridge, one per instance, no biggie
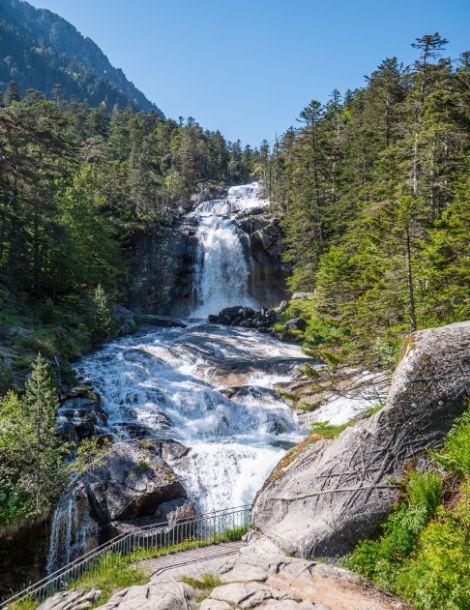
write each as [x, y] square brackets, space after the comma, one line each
[41, 49]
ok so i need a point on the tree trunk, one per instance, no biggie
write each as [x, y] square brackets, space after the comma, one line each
[409, 278]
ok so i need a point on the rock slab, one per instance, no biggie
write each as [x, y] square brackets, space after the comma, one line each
[334, 493]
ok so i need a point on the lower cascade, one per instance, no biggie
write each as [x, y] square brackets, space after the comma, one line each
[206, 386]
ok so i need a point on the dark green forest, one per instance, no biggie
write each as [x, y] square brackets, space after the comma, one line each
[373, 189]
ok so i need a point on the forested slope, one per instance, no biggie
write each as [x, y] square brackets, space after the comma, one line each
[41, 50]
[374, 191]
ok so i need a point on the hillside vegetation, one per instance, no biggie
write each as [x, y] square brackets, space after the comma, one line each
[373, 189]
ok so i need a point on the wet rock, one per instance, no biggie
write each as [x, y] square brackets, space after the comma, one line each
[177, 510]
[124, 490]
[245, 317]
[125, 320]
[80, 414]
[264, 244]
[296, 324]
[129, 482]
[206, 191]
[162, 269]
[335, 493]
[161, 321]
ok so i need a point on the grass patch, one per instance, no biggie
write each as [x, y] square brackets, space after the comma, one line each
[204, 585]
[327, 430]
[229, 535]
[112, 573]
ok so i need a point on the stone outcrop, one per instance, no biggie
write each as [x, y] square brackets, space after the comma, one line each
[206, 191]
[131, 486]
[125, 320]
[245, 317]
[80, 414]
[162, 269]
[164, 262]
[78, 599]
[161, 321]
[258, 577]
[262, 238]
[157, 595]
[325, 496]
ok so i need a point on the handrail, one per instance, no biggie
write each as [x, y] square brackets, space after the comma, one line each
[161, 535]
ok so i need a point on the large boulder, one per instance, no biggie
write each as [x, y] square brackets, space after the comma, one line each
[325, 496]
[130, 481]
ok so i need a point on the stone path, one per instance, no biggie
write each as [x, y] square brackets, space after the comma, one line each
[193, 562]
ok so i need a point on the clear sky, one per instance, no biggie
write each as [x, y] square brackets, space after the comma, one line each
[247, 67]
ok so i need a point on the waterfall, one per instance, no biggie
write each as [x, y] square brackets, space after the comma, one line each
[224, 272]
[73, 531]
[207, 386]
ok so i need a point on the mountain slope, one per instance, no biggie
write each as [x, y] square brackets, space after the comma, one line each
[39, 49]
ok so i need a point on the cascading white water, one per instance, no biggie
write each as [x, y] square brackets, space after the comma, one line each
[169, 383]
[73, 532]
[223, 276]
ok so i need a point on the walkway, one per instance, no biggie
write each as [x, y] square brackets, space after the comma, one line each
[193, 562]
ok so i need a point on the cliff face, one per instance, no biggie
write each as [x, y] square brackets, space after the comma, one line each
[162, 270]
[43, 50]
[263, 240]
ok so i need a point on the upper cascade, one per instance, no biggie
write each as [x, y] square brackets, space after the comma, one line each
[224, 264]
[239, 198]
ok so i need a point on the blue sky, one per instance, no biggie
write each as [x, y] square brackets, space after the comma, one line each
[247, 67]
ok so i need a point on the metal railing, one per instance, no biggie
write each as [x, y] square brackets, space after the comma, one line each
[147, 542]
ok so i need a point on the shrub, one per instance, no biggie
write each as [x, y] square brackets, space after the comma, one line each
[423, 553]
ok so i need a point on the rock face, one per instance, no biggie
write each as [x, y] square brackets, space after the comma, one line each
[334, 493]
[80, 414]
[23, 552]
[131, 486]
[263, 240]
[163, 267]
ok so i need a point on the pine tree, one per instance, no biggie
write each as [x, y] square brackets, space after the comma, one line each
[42, 444]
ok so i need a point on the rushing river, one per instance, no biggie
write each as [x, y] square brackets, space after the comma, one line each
[172, 383]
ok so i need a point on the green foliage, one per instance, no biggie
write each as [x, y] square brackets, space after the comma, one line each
[456, 453]
[424, 489]
[104, 323]
[31, 452]
[373, 193]
[6, 379]
[206, 582]
[422, 554]
[89, 454]
[111, 574]
[328, 430]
